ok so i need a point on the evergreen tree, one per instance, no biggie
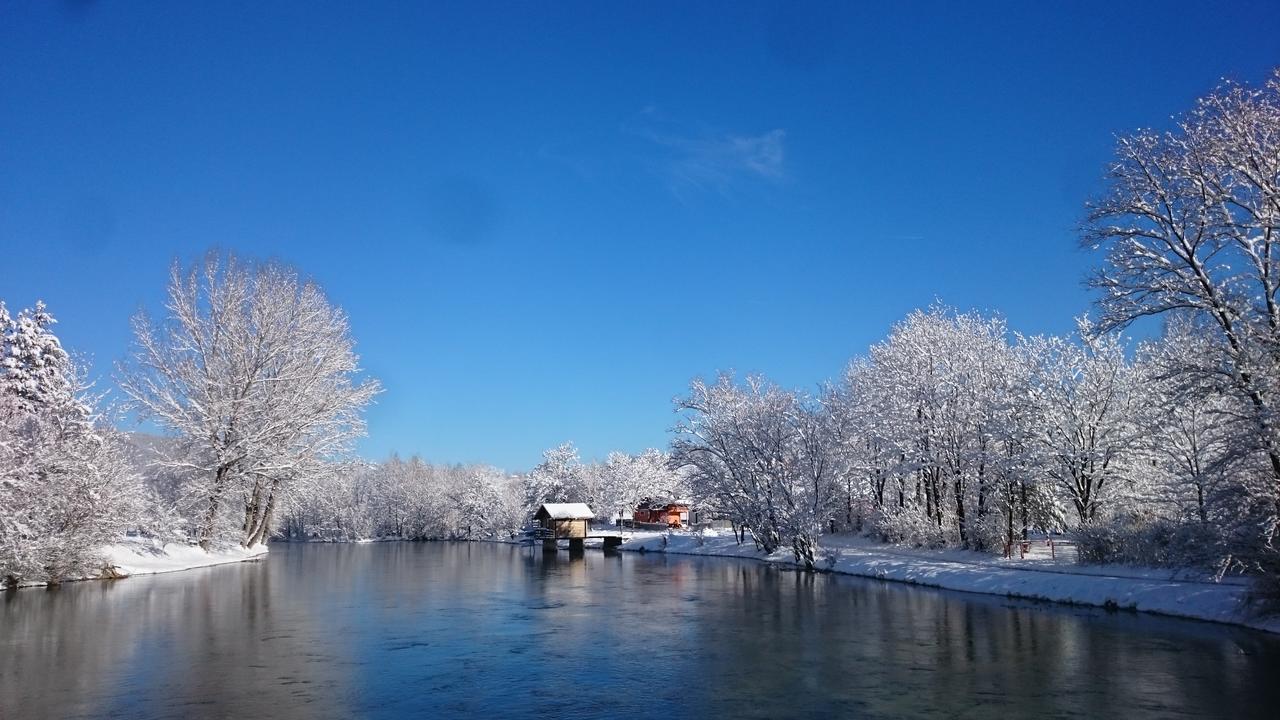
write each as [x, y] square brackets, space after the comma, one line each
[65, 487]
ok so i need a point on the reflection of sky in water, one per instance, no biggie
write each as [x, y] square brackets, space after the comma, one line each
[443, 630]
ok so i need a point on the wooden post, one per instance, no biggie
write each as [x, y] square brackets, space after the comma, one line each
[575, 545]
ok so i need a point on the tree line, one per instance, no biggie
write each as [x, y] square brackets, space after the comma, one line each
[953, 431]
[416, 500]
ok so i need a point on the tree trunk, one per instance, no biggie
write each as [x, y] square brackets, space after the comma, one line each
[251, 509]
[261, 521]
[215, 501]
[802, 545]
[1023, 483]
[958, 487]
[1204, 516]
[265, 526]
[1009, 518]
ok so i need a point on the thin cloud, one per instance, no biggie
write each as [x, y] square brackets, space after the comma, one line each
[689, 162]
[719, 163]
[576, 165]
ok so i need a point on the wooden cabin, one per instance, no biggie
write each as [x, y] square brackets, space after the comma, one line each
[565, 520]
[662, 512]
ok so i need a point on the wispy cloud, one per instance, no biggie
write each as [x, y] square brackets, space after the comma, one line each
[690, 160]
[720, 162]
[557, 155]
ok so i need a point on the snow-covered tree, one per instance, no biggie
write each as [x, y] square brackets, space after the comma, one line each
[66, 488]
[761, 456]
[1084, 394]
[409, 500]
[1193, 425]
[710, 445]
[1191, 223]
[255, 370]
[34, 368]
[626, 480]
[1203, 478]
[558, 478]
[611, 488]
[930, 422]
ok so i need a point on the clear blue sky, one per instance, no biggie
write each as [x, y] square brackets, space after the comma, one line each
[545, 218]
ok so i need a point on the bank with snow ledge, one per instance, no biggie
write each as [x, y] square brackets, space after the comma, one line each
[149, 557]
[136, 556]
[1183, 594]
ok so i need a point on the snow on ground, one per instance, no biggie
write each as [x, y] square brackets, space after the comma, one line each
[148, 557]
[1038, 577]
[139, 556]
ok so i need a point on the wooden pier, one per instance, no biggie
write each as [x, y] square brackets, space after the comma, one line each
[551, 543]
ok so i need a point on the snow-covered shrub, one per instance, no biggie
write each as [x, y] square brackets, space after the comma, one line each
[1154, 542]
[827, 558]
[908, 527]
[1098, 544]
[1264, 596]
[989, 533]
[65, 495]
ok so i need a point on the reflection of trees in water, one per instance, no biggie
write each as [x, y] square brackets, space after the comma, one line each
[167, 645]
[782, 642]
[69, 658]
[457, 629]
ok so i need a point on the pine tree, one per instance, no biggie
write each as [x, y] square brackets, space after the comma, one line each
[36, 369]
[65, 487]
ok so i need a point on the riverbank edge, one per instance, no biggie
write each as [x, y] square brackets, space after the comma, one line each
[151, 557]
[1189, 600]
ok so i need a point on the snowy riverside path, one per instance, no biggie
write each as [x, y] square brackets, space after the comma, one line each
[1179, 594]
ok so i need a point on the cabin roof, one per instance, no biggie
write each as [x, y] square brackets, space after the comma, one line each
[564, 511]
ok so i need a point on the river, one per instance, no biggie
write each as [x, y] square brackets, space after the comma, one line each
[486, 630]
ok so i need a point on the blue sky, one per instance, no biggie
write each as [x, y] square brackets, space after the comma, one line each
[545, 218]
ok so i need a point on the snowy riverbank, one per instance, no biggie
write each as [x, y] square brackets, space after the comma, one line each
[137, 556]
[150, 557]
[1153, 590]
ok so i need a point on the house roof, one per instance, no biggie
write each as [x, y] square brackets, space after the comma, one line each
[664, 504]
[565, 511]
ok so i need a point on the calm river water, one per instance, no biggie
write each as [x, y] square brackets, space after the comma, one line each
[439, 630]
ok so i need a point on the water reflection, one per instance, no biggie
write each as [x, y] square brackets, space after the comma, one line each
[469, 629]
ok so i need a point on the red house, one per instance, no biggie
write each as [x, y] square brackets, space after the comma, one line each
[671, 514]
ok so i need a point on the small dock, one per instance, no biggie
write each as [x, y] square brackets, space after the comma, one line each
[568, 521]
[551, 542]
